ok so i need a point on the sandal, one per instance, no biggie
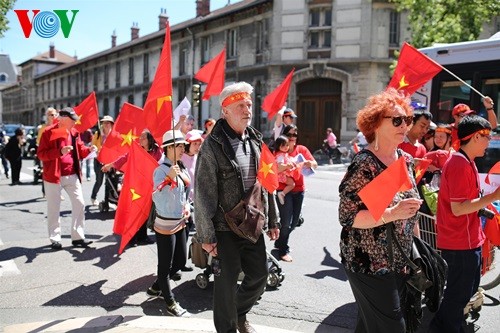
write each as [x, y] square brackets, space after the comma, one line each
[286, 258]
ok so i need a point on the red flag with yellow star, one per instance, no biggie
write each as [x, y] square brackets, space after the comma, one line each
[158, 106]
[420, 168]
[213, 75]
[88, 113]
[378, 194]
[128, 127]
[268, 170]
[136, 195]
[413, 70]
[277, 98]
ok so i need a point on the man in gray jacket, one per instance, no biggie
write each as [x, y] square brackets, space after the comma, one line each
[226, 169]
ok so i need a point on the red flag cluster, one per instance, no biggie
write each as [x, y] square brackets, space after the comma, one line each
[378, 194]
[413, 70]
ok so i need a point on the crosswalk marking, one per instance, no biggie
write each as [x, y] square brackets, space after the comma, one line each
[8, 268]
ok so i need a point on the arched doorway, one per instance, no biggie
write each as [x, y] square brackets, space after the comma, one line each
[318, 107]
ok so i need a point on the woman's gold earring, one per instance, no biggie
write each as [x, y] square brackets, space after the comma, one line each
[376, 142]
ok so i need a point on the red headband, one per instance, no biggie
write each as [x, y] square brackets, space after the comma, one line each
[444, 130]
[235, 98]
[483, 131]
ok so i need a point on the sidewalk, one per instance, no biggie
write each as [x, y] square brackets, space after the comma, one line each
[136, 324]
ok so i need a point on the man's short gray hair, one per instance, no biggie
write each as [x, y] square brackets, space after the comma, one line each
[234, 88]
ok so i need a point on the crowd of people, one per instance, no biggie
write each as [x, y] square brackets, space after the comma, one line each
[202, 176]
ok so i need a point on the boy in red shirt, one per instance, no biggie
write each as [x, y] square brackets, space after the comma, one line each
[459, 232]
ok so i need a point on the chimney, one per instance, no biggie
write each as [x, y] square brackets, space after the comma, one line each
[113, 39]
[162, 19]
[134, 30]
[52, 51]
[202, 8]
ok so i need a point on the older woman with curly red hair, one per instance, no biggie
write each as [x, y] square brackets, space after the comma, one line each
[376, 277]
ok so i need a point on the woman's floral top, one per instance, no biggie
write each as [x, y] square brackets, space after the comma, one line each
[366, 250]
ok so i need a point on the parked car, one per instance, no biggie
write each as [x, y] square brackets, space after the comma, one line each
[9, 129]
[492, 154]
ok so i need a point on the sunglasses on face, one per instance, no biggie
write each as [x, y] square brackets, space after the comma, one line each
[397, 121]
[292, 135]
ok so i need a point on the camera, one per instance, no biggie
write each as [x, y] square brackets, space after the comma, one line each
[485, 212]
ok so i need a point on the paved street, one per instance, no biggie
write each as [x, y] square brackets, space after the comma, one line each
[38, 284]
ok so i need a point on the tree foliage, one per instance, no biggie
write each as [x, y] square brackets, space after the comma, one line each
[447, 21]
[5, 6]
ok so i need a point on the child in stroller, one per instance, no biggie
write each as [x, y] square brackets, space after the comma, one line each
[112, 189]
[203, 260]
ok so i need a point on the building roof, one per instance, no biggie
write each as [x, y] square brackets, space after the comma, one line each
[7, 68]
[60, 57]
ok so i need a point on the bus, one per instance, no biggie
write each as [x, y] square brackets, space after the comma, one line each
[475, 62]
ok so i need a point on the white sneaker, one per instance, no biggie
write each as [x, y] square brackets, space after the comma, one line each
[94, 202]
[176, 310]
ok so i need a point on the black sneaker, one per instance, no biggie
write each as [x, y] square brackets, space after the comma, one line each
[56, 246]
[176, 310]
[152, 292]
[81, 243]
[176, 277]
[187, 269]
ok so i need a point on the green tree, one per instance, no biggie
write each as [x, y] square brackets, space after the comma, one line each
[447, 21]
[5, 6]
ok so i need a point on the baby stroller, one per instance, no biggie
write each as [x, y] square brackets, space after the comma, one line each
[203, 260]
[112, 189]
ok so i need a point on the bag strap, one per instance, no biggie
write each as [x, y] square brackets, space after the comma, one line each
[391, 237]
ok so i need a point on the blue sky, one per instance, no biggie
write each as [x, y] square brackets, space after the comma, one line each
[94, 24]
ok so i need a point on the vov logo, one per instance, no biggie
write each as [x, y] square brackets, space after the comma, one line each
[47, 23]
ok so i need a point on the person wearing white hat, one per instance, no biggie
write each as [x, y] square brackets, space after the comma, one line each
[171, 184]
[98, 139]
[226, 170]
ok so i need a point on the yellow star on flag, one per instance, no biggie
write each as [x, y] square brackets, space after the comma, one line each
[128, 138]
[78, 122]
[159, 102]
[418, 173]
[403, 83]
[135, 196]
[266, 168]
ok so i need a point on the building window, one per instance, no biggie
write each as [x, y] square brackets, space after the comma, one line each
[61, 84]
[69, 85]
[144, 98]
[117, 106]
[262, 41]
[105, 104]
[106, 77]
[77, 83]
[48, 90]
[96, 79]
[232, 42]
[55, 88]
[85, 81]
[320, 27]
[118, 74]
[205, 50]
[182, 90]
[145, 63]
[130, 99]
[3, 77]
[394, 29]
[183, 59]
[131, 71]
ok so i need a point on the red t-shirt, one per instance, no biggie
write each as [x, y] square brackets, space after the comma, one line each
[459, 182]
[417, 151]
[299, 179]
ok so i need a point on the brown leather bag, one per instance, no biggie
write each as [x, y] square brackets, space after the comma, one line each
[247, 218]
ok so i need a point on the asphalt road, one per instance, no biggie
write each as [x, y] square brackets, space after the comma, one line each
[38, 284]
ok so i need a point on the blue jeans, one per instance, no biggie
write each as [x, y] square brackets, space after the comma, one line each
[464, 273]
[289, 216]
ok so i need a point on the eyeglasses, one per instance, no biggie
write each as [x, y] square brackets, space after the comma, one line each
[292, 135]
[488, 137]
[52, 115]
[397, 121]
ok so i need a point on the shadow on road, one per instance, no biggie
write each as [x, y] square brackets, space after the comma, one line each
[336, 273]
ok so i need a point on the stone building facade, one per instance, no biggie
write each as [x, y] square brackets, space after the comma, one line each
[340, 49]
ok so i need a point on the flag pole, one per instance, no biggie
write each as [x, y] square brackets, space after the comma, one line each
[459, 79]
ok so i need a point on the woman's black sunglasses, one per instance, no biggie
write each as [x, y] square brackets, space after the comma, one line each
[292, 135]
[397, 121]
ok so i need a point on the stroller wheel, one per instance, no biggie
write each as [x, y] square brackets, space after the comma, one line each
[273, 280]
[202, 281]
